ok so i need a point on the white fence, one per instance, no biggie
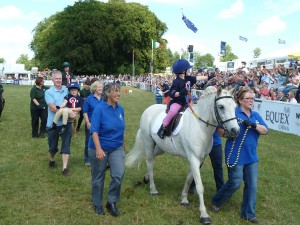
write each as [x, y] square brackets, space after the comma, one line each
[280, 116]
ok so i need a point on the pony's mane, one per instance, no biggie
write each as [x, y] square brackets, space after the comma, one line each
[208, 91]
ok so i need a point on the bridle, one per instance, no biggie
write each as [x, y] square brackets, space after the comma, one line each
[217, 114]
[218, 117]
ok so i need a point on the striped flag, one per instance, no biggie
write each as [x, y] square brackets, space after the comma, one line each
[156, 44]
[243, 39]
[280, 41]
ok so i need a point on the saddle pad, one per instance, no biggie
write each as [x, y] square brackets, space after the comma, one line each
[158, 122]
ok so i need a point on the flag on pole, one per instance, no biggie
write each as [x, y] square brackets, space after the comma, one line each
[189, 24]
[223, 48]
[156, 44]
[243, 39]
[280, 41]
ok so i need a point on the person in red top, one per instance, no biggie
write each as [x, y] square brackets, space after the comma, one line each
[264, 91]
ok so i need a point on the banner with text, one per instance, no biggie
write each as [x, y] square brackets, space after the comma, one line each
[280, 116]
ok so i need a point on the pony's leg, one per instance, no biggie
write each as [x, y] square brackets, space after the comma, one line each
[194, 167]
[150, 161]
[184, 193]
[157, 151]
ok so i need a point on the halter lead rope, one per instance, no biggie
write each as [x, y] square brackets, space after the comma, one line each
[239, 148]
[218, 117]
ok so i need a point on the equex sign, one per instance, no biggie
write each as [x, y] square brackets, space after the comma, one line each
[280, 116]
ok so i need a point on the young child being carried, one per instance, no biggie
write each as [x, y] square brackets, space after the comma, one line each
[72, 104]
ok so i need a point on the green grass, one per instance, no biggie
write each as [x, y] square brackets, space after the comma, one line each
[31, 194]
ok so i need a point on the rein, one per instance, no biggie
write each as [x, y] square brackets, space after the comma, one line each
[218, 117]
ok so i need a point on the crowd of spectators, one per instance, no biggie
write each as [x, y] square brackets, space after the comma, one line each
[276, 84]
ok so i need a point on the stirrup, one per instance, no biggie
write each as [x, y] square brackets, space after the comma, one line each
[161, 132]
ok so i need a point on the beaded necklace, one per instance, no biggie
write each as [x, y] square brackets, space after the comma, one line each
[239, 148]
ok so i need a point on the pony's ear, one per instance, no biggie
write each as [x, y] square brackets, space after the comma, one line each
[219, 90]
[231, 91]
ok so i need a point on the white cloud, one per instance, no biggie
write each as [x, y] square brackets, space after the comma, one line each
[289, 6]
[15, 29]
[271, 25]
[235, 10]
[283, 52]
[14, 41]
[177, 43]
[9, 12]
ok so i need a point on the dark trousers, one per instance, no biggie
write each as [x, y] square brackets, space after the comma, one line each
[86, 143]
[79, 120]
[36, 116]
[2, 103]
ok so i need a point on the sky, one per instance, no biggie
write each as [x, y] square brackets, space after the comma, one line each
[261, 22]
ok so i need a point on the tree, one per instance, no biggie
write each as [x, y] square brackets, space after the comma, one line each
[256, 53]
[201, 61]
[229, 56]
[2, 60]
[97, 37]
[23, 59]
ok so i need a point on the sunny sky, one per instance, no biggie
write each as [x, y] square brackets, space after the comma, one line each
[261, 22]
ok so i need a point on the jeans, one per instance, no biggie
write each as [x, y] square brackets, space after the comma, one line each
[158, 99]
[36, 115]
[86, 142]
[115, 159]
[248, 173]
[53, 136]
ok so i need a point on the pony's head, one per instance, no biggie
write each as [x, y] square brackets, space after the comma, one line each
[225, 112]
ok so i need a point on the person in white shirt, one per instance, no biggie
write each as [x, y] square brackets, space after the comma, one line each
[291, 98]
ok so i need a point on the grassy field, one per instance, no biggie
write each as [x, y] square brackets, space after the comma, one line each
[32, 194]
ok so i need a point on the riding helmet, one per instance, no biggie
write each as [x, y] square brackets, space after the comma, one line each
[181, 65]
[73, 85]
[65, 64]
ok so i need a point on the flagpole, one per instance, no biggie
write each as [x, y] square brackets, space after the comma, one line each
[151, 64]
[133, 66]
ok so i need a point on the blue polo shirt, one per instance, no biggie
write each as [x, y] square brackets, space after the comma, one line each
[248, 152]
[216, 138]
[57, 97]
[109, 123]
[89, 105]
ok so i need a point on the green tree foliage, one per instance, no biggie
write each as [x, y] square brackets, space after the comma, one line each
[97, 37]
[2, 60]
[23, 59]
[256, 53]
[229, 56]
[201, 61]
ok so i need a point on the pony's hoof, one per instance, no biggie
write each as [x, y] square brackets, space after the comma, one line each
[205, 220]
[154, 194]
[145, 180]
[185, 205]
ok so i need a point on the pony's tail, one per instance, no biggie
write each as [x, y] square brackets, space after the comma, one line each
[134, 157]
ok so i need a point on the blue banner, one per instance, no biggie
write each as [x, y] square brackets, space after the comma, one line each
[189, 24]
[223, 48]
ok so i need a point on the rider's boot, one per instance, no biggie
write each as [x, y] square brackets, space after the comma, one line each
[161, 132]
